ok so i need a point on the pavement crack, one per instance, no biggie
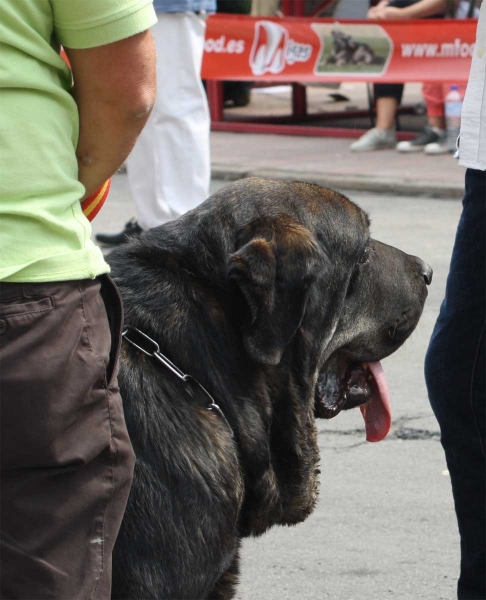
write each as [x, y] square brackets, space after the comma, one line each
[408, 433]
[399, 433]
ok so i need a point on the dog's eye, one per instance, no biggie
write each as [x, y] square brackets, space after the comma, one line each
[356, 271]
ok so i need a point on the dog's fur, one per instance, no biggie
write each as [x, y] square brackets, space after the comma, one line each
[346, 51]
[253, 293]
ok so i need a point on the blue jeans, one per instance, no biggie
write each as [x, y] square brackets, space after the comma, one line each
[455, 376]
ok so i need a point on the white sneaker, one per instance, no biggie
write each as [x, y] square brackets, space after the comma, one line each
[375, 139]
[437, 148]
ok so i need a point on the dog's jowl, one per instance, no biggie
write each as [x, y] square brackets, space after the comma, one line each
[276, 302]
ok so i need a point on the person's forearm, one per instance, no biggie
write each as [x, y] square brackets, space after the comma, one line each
[114, 89]
[108, 131]
[424, 8]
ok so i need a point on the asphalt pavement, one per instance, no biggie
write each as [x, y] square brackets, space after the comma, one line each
[385, 524]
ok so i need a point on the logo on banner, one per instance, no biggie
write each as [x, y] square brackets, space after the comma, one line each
[273, 49]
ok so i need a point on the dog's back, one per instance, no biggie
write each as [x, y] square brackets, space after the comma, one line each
[178, 535]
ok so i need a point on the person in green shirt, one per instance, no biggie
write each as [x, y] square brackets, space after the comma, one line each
[66, 459]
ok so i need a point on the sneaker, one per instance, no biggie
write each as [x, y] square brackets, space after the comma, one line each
[429, 135]
[436, 148]
[132, 228]
[375, 139]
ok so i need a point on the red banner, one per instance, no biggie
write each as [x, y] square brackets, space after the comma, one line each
[306, 49]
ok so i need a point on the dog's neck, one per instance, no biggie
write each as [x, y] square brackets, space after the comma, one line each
[194, 323]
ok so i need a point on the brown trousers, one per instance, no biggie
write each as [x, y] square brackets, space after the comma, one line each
[66, 459]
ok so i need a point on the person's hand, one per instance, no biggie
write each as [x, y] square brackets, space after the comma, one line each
[379, 5]
[382, 11]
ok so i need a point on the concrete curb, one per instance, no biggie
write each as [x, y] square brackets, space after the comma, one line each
[383, 185]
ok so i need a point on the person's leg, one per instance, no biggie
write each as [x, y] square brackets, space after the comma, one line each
[432, 139]
[386, 110]
[143, 174]
[387, 98]
[455, 376]
[434, 101]
[437, 121]
[180, 121]
[66, 460]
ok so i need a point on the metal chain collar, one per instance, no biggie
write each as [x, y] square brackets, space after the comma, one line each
[145, 344]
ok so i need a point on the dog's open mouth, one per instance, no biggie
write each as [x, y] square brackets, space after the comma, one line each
[342, 385]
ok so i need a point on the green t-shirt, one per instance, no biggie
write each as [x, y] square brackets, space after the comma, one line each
[44, 235]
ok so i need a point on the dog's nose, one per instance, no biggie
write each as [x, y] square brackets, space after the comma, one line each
[426, 271]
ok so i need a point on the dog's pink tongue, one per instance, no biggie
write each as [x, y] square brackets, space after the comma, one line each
[377, 412]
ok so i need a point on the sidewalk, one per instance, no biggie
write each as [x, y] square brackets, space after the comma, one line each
[329, 162]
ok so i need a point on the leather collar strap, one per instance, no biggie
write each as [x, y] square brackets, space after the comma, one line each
[142, 342]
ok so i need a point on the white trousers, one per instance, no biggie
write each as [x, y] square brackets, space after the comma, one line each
[169, 168]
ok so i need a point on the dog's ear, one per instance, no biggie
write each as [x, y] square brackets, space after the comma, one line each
[274, 277]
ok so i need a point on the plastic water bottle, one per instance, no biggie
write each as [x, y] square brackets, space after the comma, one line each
[453, 107]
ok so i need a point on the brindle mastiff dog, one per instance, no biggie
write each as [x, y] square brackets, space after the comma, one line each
[275, 299]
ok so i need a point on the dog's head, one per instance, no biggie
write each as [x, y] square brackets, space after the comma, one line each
[320, 295]
[273, 296]
[342, 40]
[281, 275]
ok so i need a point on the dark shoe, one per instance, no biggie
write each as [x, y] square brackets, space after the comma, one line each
[236, 93]
[428, 136]
[132, 228]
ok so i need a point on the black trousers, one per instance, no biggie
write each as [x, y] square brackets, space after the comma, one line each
[455, 376]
